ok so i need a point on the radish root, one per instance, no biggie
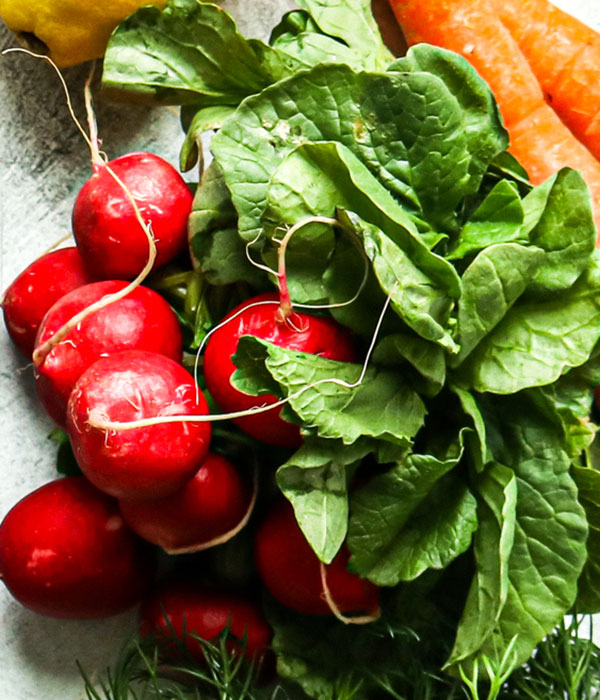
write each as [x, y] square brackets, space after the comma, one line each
[97, 160]
[41, 352]
[99, 420]
[226, 536]
[370, 616]
[285, 302]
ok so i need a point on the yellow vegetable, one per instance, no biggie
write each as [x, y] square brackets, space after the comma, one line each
[69, 31]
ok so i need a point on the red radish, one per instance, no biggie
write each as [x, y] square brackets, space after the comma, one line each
[108, 233]
[65, 551]
[141, 320]
[301, 332]
[291, 571]
[184, 608]
[36, 289]
[141, 463]
[207, 511]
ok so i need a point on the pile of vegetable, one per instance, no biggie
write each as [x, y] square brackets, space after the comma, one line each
[380, 435]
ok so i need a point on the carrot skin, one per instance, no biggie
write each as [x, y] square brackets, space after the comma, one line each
[539, 140]
[564, 55]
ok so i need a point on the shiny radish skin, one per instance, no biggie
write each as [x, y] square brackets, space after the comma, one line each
[36, 289]
[303, 333]
[108, 234]
[187, 608]
[141, 320]
[212, 503]
[291, 571]
[66, 552]
[141, 463]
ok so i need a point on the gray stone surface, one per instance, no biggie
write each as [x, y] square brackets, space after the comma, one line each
[43, 162]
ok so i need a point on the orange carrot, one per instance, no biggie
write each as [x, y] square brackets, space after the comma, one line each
[539, 139]
[564, 54]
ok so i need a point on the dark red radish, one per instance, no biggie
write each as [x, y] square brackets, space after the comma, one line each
[184, 609]
[108, 233]
[301, 332]
[66, 552]
[141, 463]
[141, 320]
[36, 289]
[208, 510]
[291, 570]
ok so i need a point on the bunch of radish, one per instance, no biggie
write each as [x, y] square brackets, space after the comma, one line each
[107, 360]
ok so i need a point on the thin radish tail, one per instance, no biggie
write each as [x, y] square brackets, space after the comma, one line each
[42, 351]
[226, 536]
[64, 87]
[98, 161]
[99, 420]
[368, 617]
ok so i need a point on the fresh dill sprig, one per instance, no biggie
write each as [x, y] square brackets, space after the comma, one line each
[564, 666]
[164, 669]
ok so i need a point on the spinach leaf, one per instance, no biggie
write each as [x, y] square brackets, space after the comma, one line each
[558, 218]
[190, 53]
[568, 402]
[491, 285]
[498, 219]
[550, 530]
[299, 36]
[588, 594]
[538, 340]
[407, 128]
[335, 17]
[418, 303]
[485, 135]
[215, 245]
[414, 517]
[326, 177]
[496, 490]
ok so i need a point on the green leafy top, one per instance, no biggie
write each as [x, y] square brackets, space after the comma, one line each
[460, 458]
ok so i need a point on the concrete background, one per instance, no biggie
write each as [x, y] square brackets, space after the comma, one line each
[43, 163]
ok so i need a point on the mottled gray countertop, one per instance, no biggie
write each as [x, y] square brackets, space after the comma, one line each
[43, 163]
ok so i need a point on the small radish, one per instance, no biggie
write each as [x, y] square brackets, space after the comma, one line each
[212, 506]
[185, 609]
[142, 320]
[65, 551]
[108, 233]
[261, 317]
[147, 462]
[36, 289]
[291, 571]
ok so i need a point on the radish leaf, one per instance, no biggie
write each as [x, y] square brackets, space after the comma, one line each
[328, 409]
[538, 340]
[190, 53]
[416, 516]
